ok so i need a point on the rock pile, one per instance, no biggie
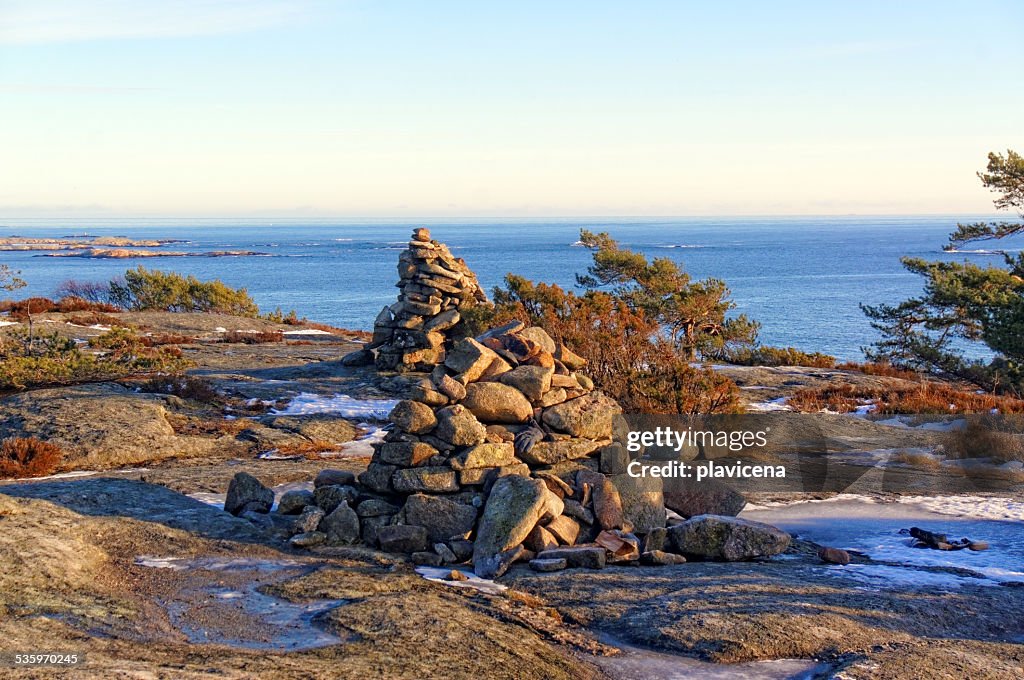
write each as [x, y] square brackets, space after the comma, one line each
[501, 452]
[434, 286]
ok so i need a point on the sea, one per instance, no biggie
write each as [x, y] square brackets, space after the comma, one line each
[803, 278]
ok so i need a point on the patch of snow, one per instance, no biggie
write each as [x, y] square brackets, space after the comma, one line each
[9, 323]
[439, 574]
[220, 329]
[885, 577]
[870, 526]
[769, 406]
[342, 404]
[359, 448]
[214, 499]
[307, 331]
[99, 327]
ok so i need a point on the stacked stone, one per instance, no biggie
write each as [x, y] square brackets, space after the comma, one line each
[503, 453]
[500, 450]
[434, 286]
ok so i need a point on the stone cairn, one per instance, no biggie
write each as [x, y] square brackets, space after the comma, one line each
[503, 453]
[434, 285]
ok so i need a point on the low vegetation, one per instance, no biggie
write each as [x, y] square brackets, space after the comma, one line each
[965, 306]
[923, 397]
[985, 437]
[28, 457]
[252, 337]
[766, 355]
[641, 336]
[144, 289]
[48, 359]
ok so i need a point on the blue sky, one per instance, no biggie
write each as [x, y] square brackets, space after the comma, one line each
[392, 108]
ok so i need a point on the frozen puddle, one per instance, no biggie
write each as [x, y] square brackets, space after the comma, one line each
[635, 663]
[307, 403]
[871, 527]
[221, 603]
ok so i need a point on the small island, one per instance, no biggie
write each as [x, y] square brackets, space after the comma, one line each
[108, 248]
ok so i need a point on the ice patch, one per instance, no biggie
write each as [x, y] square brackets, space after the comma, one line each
[769, 406]
[307, 331]
[342, 404]
[359, 448]
[885, 577]
[439, 574]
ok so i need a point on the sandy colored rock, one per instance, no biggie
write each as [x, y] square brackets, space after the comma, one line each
[485, 455]
[532, 381]
[469, 359]
[424, 479]
[413, 417]
[589, 416]
[493, 402]
[457, 425]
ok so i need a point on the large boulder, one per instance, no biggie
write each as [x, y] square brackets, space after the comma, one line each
[690, 498]
[245, 492]
[493, 402]
[727, 538]
[589, 416]
[512, 511]
[441, 517]
[485, 455]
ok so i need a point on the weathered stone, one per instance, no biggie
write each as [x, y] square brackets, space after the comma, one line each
[555, 484]
[485, 455]
[614, 459]
[727, 538]
[690, 498]
[370, 526]
[402, 538]
[512, 511]
[655, 539]
[564, 381]
[443, 321]
[309, 539]
[308, 520]
[245, 492]
[556, 395]
[833, 555]
[430, 559]
[442, 518]
[539, 336]
[487, 476]
[548, 565]
[424, 392]
[532, 381]
[361, 357]
[429, 479]
[553, 505]
[445, 553]
[643, 504]
[660, 558]
[553, 452]
[341, 526]
[495, 369]
[586, 557]
[292, 502]
[406, 454]
[469, 359]
[493, 402]
[456, 424]
[421, 234]
[450, 387]
[572, 361]
[540, 539]
[606, 499]
[589, 416]
[497, 332]
[413, 417]
[621, 546]
[329, 477]
[494, 566]
[565, 529]
[330, 497]
[575, 509]
[377, 477]
[375, 507]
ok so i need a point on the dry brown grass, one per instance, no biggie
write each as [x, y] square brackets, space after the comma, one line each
[95, 318]
[160, 339]
[918, 460]
[28, 457]
[879, 369]
[19, 310]
[925, 397]
[214, 426]
[252, 338]
[310, 450]
[980, 438]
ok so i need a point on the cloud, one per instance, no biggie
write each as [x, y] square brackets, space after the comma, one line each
[55, 21]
